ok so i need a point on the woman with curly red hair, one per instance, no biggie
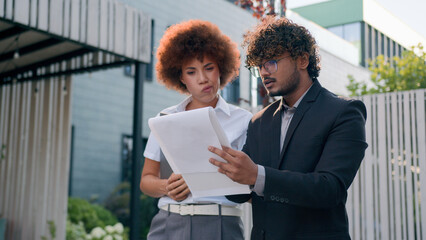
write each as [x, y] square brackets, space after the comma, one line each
[194, 58]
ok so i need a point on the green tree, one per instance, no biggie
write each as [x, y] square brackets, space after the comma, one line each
[396, 74]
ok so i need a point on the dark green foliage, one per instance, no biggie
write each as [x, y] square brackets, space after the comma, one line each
[104, 215]
[91, 215]
[118, 203]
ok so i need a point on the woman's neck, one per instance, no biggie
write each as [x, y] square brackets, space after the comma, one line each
[195, 104]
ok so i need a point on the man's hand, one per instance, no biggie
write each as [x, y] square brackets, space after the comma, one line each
[177, 188]
[239, 167]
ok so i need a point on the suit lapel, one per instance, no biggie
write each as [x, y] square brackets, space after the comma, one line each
[304, 106]
[275, 135]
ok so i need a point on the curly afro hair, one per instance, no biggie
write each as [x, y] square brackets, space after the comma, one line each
[195, 39]
[273, 37]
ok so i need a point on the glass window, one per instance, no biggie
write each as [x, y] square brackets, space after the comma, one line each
[129, 70]
[382, 44]
[388, 44]
[126, 157]
[338, 30]
[352, 32]
[395, 49]
[231, 93]
[376, 43]
[400, 50]
[370, 43]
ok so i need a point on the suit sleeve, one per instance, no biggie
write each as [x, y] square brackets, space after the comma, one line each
[337, 165]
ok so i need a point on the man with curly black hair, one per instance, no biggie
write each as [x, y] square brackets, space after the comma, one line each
[303, 151]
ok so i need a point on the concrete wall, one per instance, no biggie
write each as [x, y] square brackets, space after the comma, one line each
[334, 73]
[102, 110]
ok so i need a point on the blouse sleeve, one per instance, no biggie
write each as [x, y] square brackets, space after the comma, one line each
[152, 149]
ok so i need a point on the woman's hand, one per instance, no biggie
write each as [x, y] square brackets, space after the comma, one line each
[176, 187]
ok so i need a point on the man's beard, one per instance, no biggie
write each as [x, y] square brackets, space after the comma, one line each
[289, 86]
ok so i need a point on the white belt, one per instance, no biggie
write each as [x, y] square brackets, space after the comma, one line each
[207, 209]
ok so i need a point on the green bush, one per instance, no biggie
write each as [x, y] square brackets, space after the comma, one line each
[104, 215]
[118, 202]
[91, 215]
[75, 231]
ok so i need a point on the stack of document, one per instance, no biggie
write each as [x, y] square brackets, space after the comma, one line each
[184, 138]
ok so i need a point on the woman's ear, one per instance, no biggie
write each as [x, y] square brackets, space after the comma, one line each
[303, 61]
[182, 81]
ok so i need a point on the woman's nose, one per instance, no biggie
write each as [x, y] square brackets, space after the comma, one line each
[202, 78]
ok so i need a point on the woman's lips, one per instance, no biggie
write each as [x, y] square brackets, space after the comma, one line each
[207, 89]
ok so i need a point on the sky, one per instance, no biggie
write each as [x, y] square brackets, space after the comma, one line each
[411, 12]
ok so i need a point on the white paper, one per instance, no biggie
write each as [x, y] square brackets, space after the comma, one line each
[184, 138]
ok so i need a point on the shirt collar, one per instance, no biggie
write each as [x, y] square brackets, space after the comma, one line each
[220, 105]
[296, 104]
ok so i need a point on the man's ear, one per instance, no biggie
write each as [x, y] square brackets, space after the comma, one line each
[303, 61]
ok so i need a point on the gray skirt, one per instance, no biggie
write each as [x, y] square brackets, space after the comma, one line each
[166, 225]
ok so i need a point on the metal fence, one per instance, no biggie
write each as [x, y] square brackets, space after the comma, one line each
[35, 130]
[387, 199]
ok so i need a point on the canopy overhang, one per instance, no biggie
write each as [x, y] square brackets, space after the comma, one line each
[42, 38]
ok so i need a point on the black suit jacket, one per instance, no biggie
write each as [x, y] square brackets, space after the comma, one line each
[306, 185]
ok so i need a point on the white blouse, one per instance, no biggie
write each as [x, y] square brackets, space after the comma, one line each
[234, 121]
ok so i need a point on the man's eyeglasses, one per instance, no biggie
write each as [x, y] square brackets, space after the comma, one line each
[270, 66]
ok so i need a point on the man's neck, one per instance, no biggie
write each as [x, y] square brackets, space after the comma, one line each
[292, 98]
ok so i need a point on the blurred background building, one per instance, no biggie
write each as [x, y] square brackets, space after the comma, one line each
[348, 32]
[366, 24]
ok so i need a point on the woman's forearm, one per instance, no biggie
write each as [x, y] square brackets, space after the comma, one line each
[153, 186]
[151, 183]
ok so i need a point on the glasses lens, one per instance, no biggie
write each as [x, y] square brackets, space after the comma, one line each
[255, 71]
[270, 66]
